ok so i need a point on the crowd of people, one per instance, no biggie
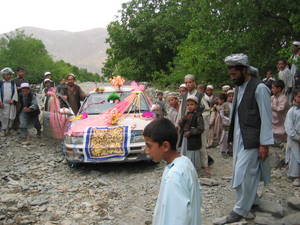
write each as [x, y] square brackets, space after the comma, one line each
[20, 107]
[242, 121]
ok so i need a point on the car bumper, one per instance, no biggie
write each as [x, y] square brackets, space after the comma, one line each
[74, 153]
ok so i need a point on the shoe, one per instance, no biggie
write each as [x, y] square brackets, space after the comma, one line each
[231, 218]
[39, 133]
[296, 182]
[224, 155]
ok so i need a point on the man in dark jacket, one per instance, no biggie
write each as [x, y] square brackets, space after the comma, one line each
[29, 111]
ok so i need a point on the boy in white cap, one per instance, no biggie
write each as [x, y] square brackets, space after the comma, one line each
[47, 76]
[182, 89]
[29, 112]
[191, 128]
[8, 101]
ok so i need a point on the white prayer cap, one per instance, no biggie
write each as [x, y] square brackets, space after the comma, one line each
[7, 70]
[253, 71]
[47, 73]
[230, 92]
[225, 88]
[236, 60]
[189, 77]
[297, 43]
[47, 79]
[25, 85]
[210, 86]
[193, 98]
[182, 86]
[71, 74]
[172, 95]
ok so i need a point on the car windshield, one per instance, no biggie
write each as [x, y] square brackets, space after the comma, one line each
[97, 103]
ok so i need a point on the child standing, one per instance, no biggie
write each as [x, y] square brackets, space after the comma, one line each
[8, 101]
[160, 101]
[225, 113]
[191, 128]
[174, 107]
[292, 128]
[179, 199]
[280, 106]
[286, 76]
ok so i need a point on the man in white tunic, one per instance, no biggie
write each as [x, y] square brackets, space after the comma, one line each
[251, 133]
[8, 100]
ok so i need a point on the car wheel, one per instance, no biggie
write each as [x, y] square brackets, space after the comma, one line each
[73, 165]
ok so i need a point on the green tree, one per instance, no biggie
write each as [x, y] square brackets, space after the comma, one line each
[18, 49]
[259, 28]
[145, 38]
[161, 41]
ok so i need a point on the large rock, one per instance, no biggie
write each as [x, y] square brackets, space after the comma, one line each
[266, 219]
[294, 203]
[292, 219]
[271, 207]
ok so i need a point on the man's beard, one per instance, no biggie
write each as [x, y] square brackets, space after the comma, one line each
[239, 81]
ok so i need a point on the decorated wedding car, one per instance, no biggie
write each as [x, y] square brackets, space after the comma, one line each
[108, 127]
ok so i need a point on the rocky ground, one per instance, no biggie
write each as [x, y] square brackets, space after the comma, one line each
[37, 187]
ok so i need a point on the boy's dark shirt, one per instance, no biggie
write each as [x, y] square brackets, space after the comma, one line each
[192, 122]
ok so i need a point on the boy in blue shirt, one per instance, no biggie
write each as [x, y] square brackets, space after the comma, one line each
[179, 199]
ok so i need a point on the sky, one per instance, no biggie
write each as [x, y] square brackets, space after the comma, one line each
[69, 15]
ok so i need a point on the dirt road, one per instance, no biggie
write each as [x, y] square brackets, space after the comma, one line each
[37, 187]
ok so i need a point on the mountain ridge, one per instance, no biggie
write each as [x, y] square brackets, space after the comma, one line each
[85, 49]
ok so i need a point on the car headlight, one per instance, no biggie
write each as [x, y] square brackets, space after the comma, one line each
[137, 136]
[73, 140]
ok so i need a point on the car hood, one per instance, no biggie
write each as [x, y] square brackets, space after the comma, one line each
[77, 128]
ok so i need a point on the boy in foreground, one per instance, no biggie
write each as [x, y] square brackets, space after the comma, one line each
[179, 199]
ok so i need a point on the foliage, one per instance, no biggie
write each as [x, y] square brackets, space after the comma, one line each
[19, 50]
[161, 41]
[258, 28]
[145, 38]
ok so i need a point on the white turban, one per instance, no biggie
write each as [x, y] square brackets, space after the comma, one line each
[182, 86]
[7, 70]
[230, 92]
[189, 77]
[225, 88]
[236, 60]
[297, 43]
[25, 85]
[210, 86]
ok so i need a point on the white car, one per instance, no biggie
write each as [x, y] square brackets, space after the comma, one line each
[75, 146]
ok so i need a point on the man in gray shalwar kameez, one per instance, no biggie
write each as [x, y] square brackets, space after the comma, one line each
[251, 133]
